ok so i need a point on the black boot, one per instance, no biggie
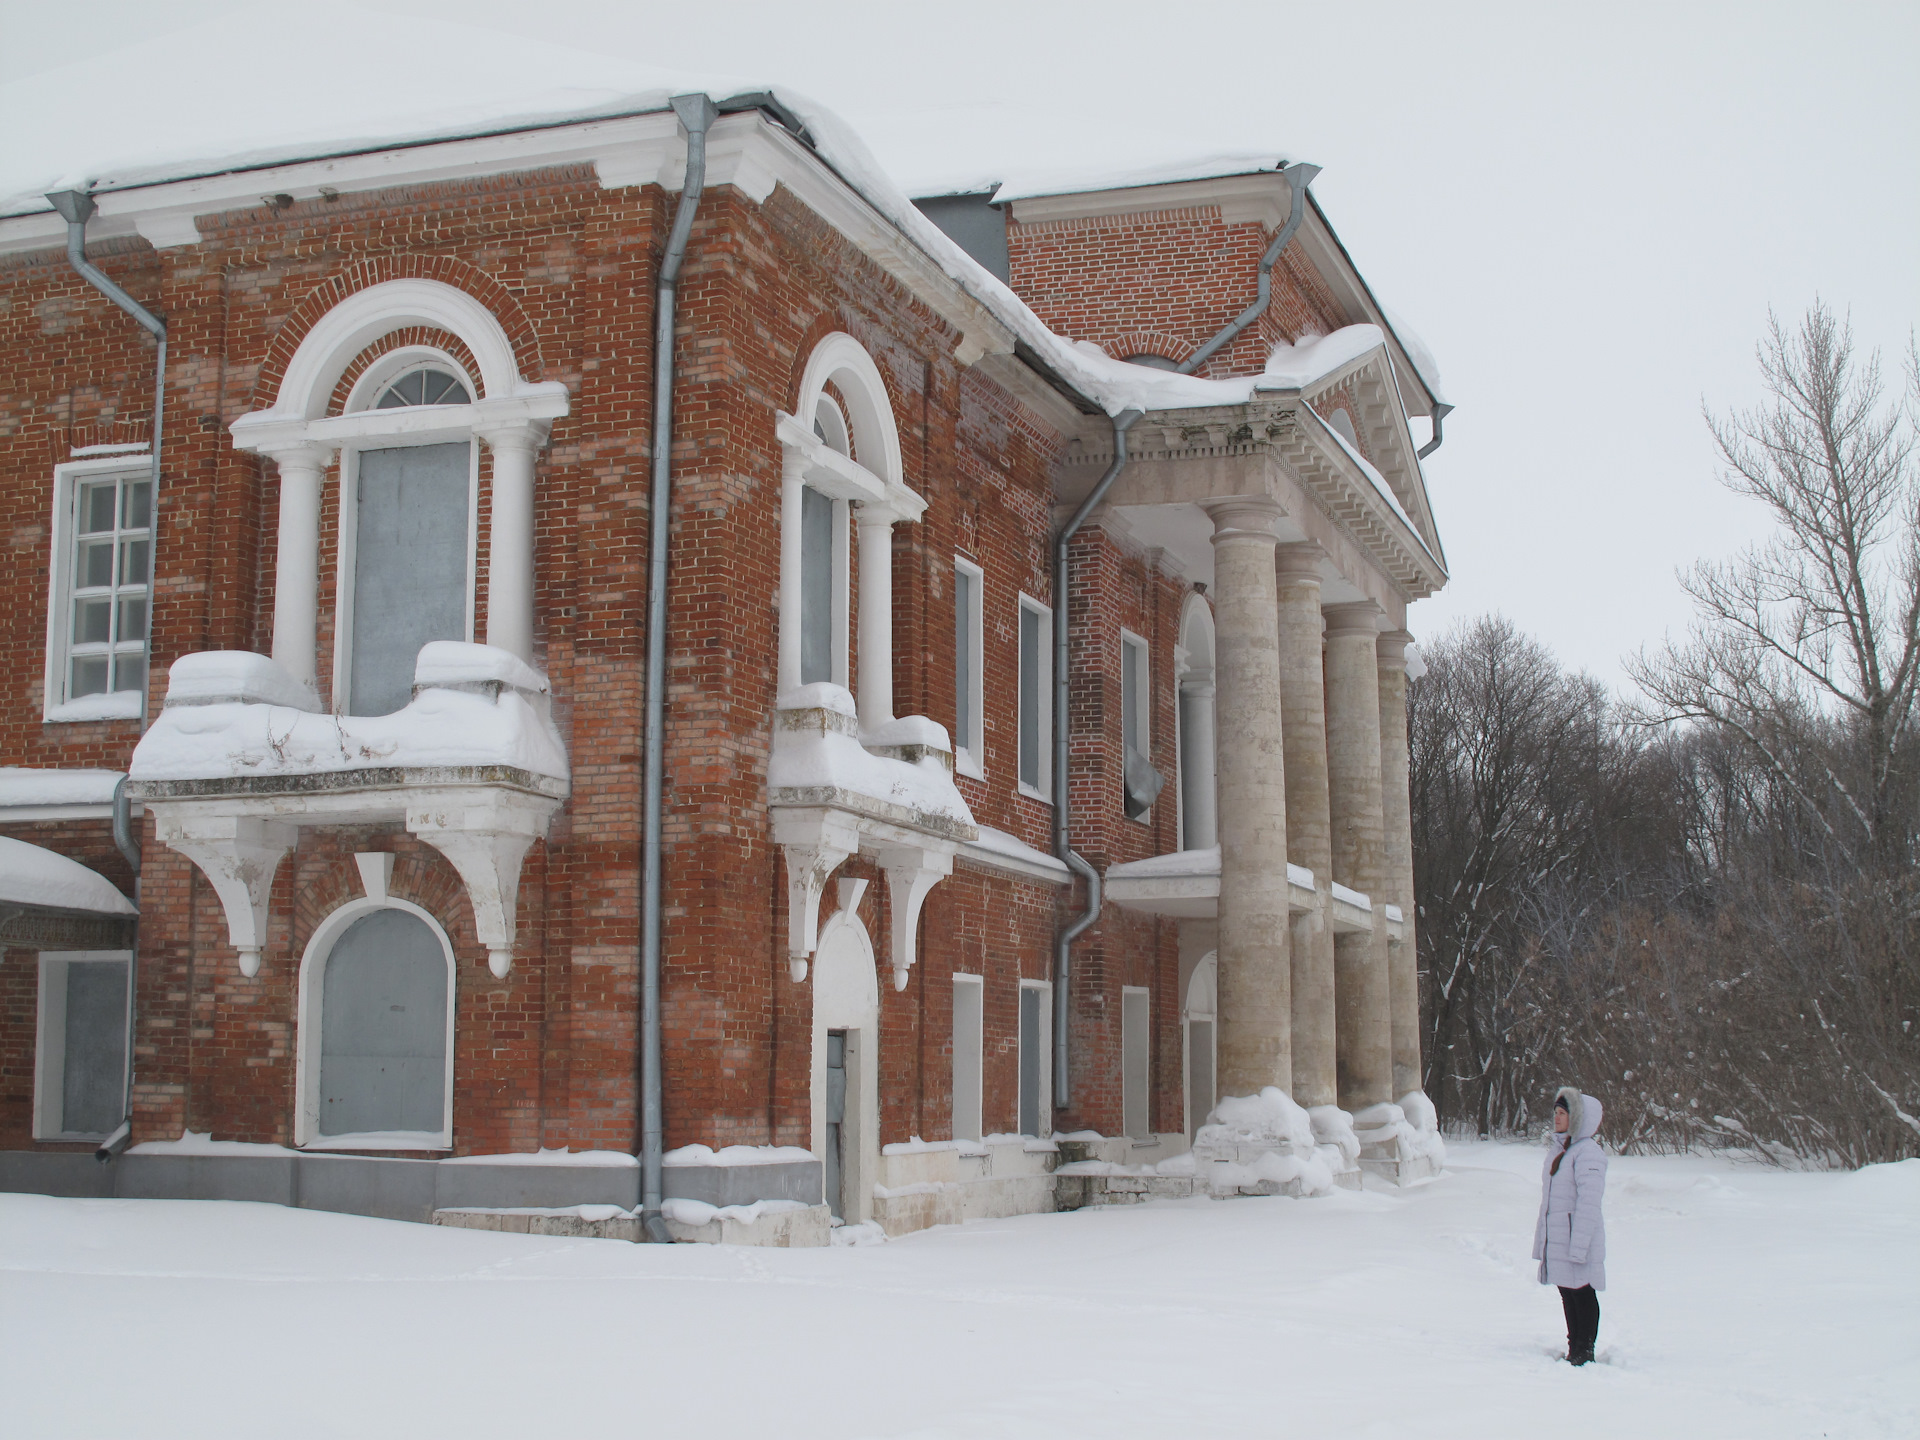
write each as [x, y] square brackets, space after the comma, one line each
[1580, 1355]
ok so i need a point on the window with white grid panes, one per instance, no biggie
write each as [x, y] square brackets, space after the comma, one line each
[108, 582]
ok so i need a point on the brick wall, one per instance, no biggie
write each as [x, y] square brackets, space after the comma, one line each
[547, 1056]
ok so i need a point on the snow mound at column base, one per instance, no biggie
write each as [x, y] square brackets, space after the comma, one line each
[1399, 1148]
[1260, 1145]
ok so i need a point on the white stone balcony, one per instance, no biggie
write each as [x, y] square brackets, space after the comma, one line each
[888, 793]
[239, 761]
[1186, 884]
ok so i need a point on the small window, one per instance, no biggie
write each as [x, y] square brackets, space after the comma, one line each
[1140, 781]
[1341, 423]
[818, 514]
[1036, 699]
[1036, 1058]
[968, 1031]
[80, 1078]
[1135, 1039]
[425, 386]
[100, 605]
[1153, 362]
[969, 748]
[830, 426]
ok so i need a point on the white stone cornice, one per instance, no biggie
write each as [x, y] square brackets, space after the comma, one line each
[744, 150]
[268, 432]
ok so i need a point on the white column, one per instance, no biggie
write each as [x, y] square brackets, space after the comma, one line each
[1198, 788]
[510, 540]
[1255, 1004]
[296, 576]
[790, 560]
[875, 694]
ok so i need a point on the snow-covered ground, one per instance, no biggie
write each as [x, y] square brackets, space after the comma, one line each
[1745, 1302]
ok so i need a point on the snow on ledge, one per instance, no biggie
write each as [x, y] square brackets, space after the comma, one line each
[1351, 897]
[735, 1155]
[203, 1143]
[698, 1212]
[21, 786]
[563, 1156]
[999, 850]
[222, 721]
[30, 875]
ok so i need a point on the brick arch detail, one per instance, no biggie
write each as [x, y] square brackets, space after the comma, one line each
[363, 275]
[1149, 342]
[393, 340]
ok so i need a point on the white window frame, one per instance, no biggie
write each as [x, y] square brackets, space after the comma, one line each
[115, 704]
[1045, 987]
[969, 749]
[308, 1036]
[1044, 700]
[969, 1059]
[1139, 705]
[50, 1040]
[1132, 997]
[1189, 1013]
[457, 426]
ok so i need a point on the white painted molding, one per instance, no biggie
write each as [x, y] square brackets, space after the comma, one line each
[485, 832]
[239, 855]
[912, 872]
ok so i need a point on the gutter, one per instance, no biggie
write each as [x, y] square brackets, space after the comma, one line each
[696, 113]
[1062, 838]
[1298, 177]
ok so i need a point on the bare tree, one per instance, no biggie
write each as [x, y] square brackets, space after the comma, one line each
[1823, 621]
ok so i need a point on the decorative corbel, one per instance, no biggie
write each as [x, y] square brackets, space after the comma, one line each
[485, 841]
[809, 865]
[912, 872]
[239, 857]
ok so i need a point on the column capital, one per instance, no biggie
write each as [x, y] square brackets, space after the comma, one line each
[1299, 563]
[1393, 649]
[1246, 518]
[307, 456]
[525, 435]
[1362, 617]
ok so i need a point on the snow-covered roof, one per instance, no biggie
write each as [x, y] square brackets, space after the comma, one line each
[30, 875]
[178, 106]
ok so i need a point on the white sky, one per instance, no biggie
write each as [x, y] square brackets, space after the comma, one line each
[1585, 215]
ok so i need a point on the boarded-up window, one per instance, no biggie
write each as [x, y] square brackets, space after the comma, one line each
[80, 1080]
[411, 547]
[383, 1028]
[967, 1036]
[1036, 700]
[816, 587]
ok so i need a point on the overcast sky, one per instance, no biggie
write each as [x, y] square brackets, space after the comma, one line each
[1585, 212]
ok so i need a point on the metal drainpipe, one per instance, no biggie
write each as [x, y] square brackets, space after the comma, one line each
[1440, 409]
[1298, 178]
[1062, 839]
[129, 847]
[76, 207]
[696, 114]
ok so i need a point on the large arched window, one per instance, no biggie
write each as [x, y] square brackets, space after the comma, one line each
[376, 1031]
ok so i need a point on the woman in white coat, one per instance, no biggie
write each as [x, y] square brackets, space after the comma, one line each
[1570, 1240]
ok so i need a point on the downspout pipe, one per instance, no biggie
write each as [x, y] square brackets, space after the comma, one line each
[1299, 177]
[697, 114]
[76, 207]
[1062, 836]
[1440, 411]
[129, 847]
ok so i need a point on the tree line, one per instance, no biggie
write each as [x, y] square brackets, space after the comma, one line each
[1701, 904]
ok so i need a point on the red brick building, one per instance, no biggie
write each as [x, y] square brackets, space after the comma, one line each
[364, 619]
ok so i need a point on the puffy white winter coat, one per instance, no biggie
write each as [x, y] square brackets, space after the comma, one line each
[1570, 1240]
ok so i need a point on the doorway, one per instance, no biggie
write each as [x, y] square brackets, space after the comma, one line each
[836, 1122]
[846, 1024]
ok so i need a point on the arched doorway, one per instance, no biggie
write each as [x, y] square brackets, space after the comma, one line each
[1197, 1025]
[846, 1036]
[376, 1031]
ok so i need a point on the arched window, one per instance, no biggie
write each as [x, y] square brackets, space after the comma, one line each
[1197, 1020]
[376, 1030]
[1341, 423]
[428, 385]
[1153, 362]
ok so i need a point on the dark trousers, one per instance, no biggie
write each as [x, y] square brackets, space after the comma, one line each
[1583, 1317]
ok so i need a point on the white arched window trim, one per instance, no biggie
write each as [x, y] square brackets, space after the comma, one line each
[306, 1101]
[510, 417]
[866, 486]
